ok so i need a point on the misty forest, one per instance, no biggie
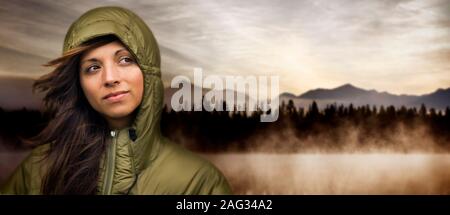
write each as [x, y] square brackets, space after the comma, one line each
[336, 128]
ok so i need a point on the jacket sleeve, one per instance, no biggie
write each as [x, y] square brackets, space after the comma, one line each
[213, 182]
[18, 181]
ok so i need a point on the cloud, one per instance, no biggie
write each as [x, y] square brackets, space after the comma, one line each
[16, 63]
[307, 43]
[438, 55]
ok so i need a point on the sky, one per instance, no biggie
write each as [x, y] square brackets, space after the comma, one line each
[398, 46]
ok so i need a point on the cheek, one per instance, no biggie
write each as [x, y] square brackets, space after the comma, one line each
[137, 82]
[89, 89]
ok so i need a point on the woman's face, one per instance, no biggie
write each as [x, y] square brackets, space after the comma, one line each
[112, 83]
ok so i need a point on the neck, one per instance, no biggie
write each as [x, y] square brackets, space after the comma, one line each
[120, 123]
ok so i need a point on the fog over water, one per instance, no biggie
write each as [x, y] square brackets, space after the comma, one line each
[359, 173]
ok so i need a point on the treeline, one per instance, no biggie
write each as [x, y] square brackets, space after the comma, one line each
[235, 131]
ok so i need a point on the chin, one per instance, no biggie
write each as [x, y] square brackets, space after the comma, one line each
[118, 112]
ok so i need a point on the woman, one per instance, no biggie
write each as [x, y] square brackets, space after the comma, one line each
[106, 96]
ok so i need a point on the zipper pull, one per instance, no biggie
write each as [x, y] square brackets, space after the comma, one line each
[113, 133]
[132, 134]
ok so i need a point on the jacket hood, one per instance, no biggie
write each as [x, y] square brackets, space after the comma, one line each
[136, 35]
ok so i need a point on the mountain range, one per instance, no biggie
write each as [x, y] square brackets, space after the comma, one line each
[346, 94]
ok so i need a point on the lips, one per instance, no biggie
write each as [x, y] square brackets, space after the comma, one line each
[115, 95]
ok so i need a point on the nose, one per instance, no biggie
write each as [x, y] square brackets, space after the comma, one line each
[111, 76]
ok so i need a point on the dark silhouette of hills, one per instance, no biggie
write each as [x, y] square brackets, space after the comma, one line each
[16, 93]
[348, 93]
[439, 99]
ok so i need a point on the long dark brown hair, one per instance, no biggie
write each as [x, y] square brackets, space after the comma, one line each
[77, 134]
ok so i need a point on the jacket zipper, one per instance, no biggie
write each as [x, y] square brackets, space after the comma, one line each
[110, 161]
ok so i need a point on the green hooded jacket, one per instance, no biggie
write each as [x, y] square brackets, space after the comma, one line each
[150, 164]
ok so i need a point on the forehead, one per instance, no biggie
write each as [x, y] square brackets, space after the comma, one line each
[104, 51]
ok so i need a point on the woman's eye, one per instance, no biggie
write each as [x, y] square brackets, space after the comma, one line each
[92, 69]
[126, 60]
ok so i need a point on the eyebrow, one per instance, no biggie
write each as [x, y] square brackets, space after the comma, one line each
[95, 59]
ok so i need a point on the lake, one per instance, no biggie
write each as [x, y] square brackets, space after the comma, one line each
[335, 173]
